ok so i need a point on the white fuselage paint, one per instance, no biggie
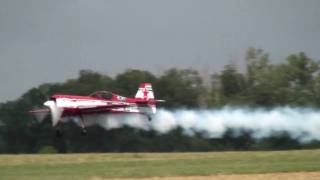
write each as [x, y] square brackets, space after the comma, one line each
[84, 103]
[57, 107]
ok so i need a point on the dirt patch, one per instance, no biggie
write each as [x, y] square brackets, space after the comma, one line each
[269, 176]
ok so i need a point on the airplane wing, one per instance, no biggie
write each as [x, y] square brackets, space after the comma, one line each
[41, 114]
[149, 101]
[104, 107]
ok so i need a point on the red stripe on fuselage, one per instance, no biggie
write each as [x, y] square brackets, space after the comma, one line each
[128, 100]
[76, 112]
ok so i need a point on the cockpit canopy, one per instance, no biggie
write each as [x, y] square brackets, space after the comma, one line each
[102, 95]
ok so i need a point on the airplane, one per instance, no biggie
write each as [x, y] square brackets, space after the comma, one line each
[66, 107]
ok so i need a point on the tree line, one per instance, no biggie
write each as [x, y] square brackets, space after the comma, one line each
[294, 82]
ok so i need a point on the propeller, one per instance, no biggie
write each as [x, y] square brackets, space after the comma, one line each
[56, 112]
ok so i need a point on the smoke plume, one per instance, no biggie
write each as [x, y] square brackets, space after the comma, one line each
[302, 124]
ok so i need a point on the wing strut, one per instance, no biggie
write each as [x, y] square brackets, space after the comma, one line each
[84, 130]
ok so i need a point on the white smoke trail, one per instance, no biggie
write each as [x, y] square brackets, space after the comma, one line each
[302, 124]
[299, 123]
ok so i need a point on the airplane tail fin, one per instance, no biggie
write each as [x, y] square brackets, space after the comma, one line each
[145, 92]
[145, 98]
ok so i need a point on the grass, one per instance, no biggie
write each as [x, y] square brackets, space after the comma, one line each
[118, 165]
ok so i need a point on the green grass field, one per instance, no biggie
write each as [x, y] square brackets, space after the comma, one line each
[117, 165]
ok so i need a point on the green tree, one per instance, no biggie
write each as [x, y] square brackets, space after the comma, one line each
[227, 87]
[257, 61]
[267, 85]
[302, 71]
[180, 88]
[127, 83]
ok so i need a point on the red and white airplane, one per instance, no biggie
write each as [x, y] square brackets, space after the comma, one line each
[65, 107]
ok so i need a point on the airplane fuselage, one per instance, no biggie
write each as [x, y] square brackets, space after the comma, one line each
[83, 105]
[65, 107]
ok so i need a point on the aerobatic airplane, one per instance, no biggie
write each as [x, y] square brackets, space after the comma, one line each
[65, 107]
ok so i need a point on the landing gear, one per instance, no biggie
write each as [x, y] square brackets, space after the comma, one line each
[83, 132]
[59, 133]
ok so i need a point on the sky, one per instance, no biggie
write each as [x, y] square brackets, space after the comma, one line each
[51, 40]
